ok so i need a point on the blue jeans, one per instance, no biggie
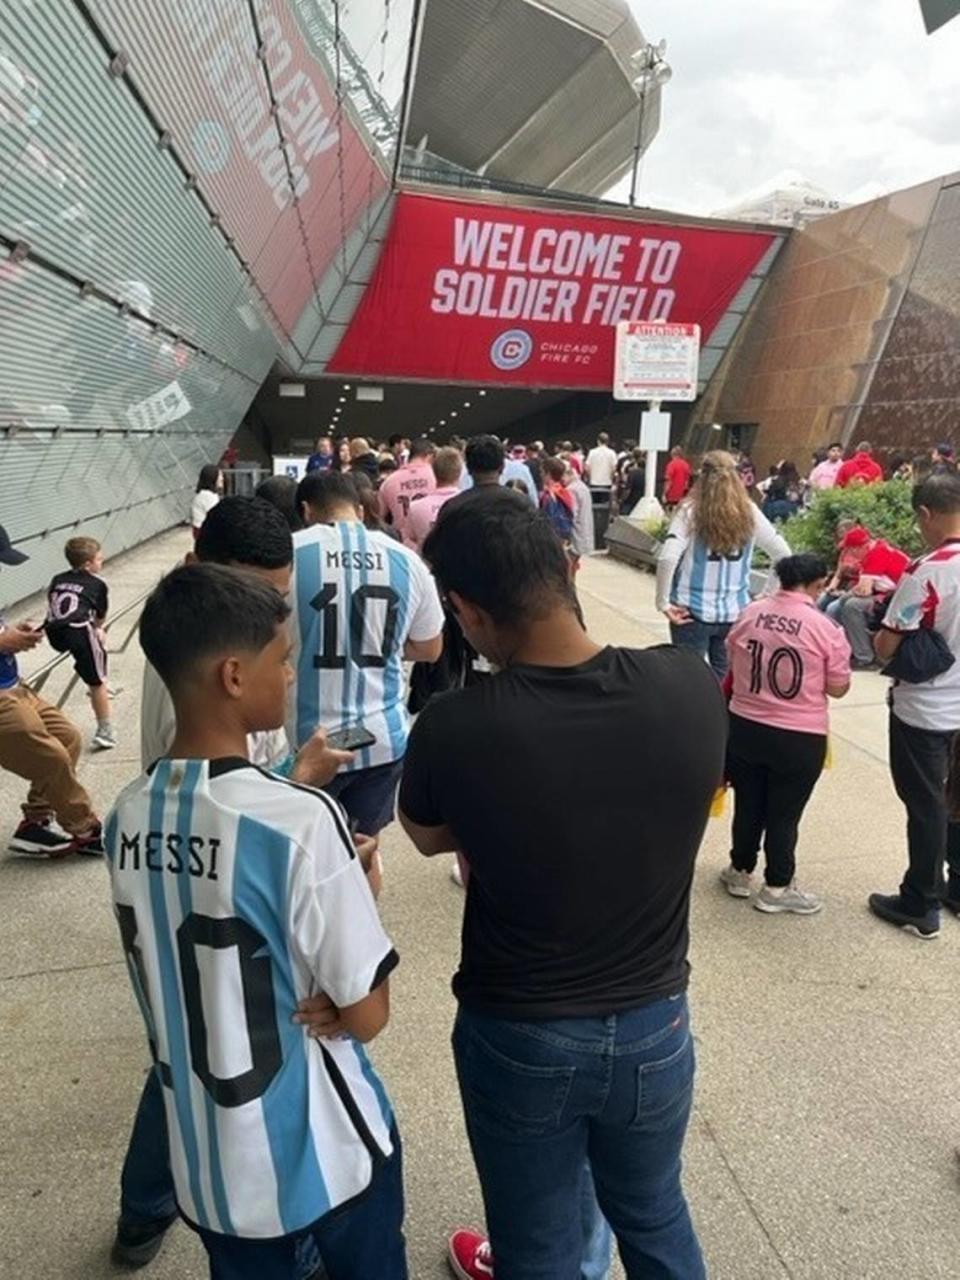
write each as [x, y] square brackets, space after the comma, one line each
[362, 1238]
[709, 639]
[597, 1236]
[368, 796]
[542, 1098]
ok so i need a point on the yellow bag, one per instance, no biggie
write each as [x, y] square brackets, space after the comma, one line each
[719, 806]
[828, 758]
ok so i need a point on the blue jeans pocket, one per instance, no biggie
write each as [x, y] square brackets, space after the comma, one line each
[505, 1096]
[665, 1088]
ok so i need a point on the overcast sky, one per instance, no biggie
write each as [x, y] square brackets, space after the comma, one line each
[853, 93]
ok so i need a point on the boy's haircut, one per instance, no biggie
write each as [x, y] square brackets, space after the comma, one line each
[422, 447]
[447, 465]
[555, 468]
[281, 492]
[493, 549]
[247, 531]
[201, 611]
[324, 491]
[801, 570]
[484, 455]
[80, 551]
[939, 494]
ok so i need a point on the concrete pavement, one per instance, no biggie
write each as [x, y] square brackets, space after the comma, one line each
[827, 1112]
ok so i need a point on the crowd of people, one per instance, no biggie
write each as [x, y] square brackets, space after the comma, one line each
[278, 742]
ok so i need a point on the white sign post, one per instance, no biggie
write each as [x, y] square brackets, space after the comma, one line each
[655, 361]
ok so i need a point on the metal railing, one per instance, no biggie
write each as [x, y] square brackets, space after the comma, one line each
[39, 678]
[243, 479]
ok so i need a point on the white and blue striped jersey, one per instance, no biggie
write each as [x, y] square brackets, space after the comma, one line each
[238, 893]
[358, 597]
[715, 588]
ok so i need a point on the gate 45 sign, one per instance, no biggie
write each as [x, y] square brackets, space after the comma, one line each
[656, 361]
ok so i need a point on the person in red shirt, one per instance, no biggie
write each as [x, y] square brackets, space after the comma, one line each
[872, 568]
[676, 478]
[860, 469]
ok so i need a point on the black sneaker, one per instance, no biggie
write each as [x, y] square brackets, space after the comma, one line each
[951, 900]
[36, 840]
[135, 1246]
[890, 907]
[90, 846]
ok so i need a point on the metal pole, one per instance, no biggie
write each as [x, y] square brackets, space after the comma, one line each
[638, 144]
[650, 479]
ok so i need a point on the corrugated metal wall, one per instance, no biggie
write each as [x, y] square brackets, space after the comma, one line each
[111, 396]
[177, 179]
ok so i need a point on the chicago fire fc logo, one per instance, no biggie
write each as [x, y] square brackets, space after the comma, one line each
[511, 350]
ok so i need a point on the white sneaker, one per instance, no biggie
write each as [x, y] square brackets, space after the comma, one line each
[739, 884]
[789, 899]
[105, 738]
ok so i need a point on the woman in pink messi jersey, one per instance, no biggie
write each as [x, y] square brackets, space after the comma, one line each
[786, 659]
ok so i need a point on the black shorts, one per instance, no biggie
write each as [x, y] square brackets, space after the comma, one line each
[89, 655]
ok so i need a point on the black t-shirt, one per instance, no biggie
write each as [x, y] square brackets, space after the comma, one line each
[74, 597]
[579, 796]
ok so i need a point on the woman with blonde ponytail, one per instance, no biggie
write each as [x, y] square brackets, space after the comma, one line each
[703, 573]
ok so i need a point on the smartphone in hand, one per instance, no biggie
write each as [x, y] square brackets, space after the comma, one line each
[352, 738]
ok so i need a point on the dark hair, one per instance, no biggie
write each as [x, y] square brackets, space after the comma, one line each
[203, 611]
[835, 445]
[281, 492]
[394, 440]
[324, 491]
[555, 468]
[386, 465]
[496, 551]
[819, 455]
[208, 477]
[801, 570]
[422, 448]
[939, 493]
[245, 531]
[484, 455]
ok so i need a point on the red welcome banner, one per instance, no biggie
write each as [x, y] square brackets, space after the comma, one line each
[469, 293]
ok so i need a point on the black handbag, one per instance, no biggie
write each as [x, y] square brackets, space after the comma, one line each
[923, 655]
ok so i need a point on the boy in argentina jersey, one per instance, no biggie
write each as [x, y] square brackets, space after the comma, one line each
[362, 604]
[238, 895]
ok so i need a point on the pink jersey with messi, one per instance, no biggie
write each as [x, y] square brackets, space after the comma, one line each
[783, 654]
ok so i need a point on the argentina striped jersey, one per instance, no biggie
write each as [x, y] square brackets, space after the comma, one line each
[237, 894]
[715, 588]
[358, 597]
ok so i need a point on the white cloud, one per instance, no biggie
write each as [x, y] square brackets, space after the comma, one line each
[854, 95]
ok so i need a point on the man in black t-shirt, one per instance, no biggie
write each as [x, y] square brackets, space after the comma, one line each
[572, 1041]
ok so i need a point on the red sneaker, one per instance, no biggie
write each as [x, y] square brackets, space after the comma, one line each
[471, 1257]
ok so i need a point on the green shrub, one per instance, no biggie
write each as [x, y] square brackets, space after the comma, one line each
[884, 509]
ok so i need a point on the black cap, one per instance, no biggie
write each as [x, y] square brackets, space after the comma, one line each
[8, 555]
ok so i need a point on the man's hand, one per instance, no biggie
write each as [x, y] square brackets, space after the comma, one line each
[19, 639]
[316, 763]
[320, 1016]
[864, 585]
[677, 614]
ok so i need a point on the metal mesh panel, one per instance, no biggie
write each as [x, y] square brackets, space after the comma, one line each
[89, 188]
